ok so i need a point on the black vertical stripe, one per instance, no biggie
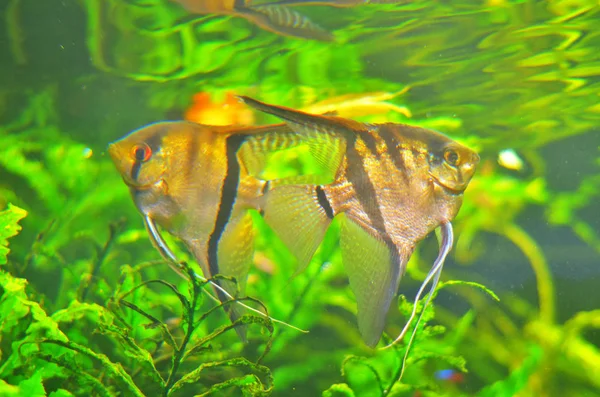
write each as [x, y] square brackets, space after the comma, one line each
[193, 152]
[265, 187]
[395, 154]
[154, 142]
[324, 202]
[364, 188]
[370, 141]
[239, 5]
[135, 170]
[228, 197]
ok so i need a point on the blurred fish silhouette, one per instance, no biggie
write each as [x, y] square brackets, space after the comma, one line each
[197, 182]
[276, 18]
[394, 184]
[204, 110]
[450, 375]
[357, 105]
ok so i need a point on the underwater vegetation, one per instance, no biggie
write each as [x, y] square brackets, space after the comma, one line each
[89, 307]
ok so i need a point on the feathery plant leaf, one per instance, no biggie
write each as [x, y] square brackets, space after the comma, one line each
[9, 227]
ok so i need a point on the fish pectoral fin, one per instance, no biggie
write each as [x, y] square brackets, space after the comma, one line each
[374, 269]
[285, 21]
[296, 216]
[235, 251]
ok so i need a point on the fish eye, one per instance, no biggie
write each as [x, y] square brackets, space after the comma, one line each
[141, 152]
[451, 157]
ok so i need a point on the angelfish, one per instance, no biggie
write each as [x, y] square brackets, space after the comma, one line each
[198, 182]
[395, 183]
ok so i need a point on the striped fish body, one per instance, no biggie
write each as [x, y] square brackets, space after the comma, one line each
[395, 184]
[197, 182]
[274, 18]
[186, 178]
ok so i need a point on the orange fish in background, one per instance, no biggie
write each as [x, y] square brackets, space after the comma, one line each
[228, 112]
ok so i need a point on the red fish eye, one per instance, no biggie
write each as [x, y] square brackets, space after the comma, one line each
[141, 152]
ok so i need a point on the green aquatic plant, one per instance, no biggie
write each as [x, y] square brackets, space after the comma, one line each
[496, 75]
[39, 348]
[9, 227]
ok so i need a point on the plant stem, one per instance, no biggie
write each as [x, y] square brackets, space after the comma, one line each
[114, 230]
[180, 352]
[540, 267]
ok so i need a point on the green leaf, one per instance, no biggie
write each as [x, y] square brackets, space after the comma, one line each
[367, 371]
[33, 386]
[259, 387]
[9, 227]
[471, 284]
[339, 389]
[61, 393]
[7, 390]
[115, 370]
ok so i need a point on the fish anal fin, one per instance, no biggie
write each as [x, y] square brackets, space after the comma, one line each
[374, 269]
[296, 216]
[236, 248]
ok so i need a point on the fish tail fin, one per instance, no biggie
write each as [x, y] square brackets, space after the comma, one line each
[235, 253]
[284, 21]
[300, 216]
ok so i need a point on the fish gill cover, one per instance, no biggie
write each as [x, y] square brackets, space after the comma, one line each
[88, 307]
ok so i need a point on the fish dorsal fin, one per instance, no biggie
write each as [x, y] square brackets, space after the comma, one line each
[326, 148]
[374, 269]
[296, 216]
[326, 136]
[330, 125]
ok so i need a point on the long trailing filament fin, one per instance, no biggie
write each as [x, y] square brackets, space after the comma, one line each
[447, 238]
[161, 245]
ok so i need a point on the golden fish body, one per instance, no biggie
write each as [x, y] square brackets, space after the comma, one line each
[188, 179]
[178, 163]
[395, 183]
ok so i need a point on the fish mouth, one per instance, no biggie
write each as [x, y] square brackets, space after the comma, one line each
[452, 191]
[148, 186]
